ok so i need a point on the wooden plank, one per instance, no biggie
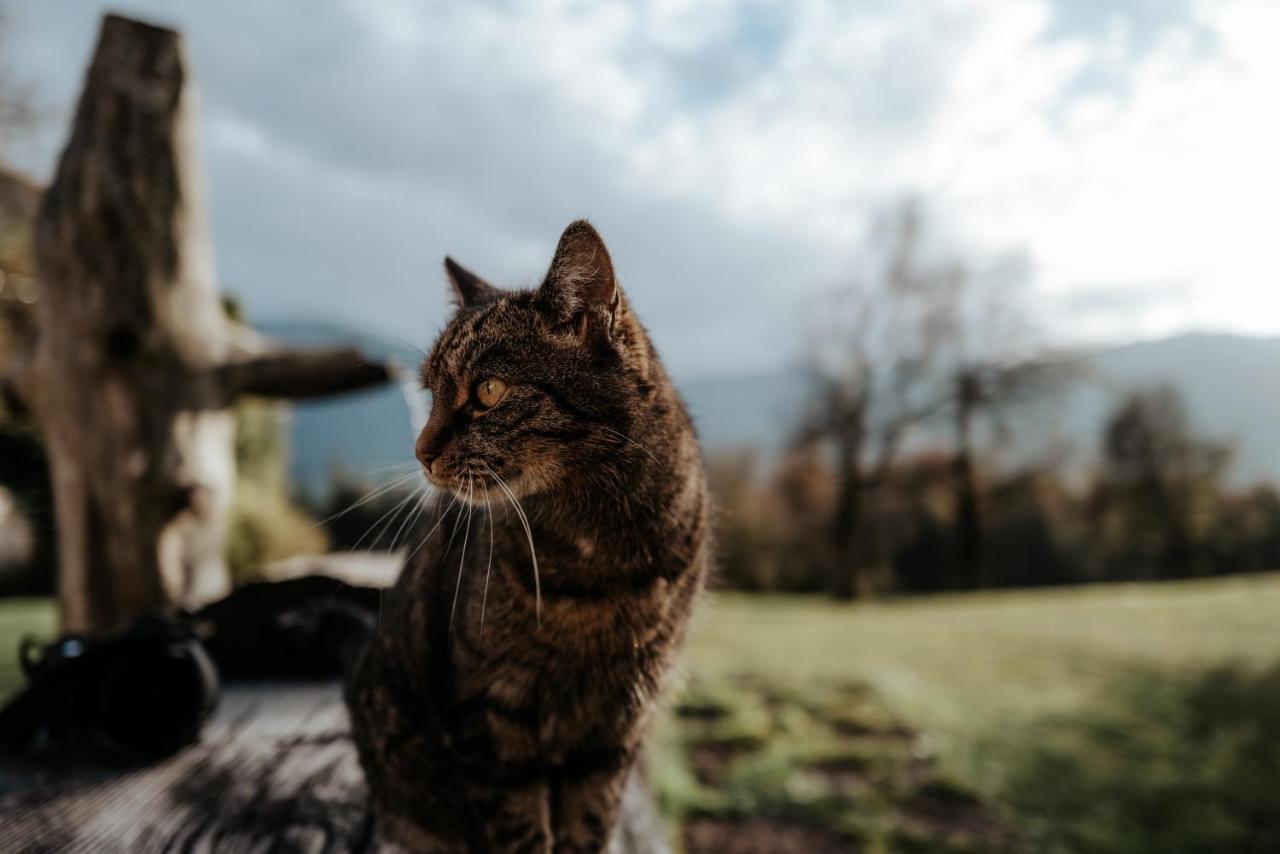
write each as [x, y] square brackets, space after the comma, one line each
[275, 771]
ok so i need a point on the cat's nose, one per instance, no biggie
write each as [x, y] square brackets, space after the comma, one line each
[432, 442]
[429, 456]
[427, 449]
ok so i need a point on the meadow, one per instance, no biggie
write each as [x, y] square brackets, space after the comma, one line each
[1112, 718]
[1108, 718]
[21, 617]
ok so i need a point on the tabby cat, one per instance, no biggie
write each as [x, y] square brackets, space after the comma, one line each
[503, 701]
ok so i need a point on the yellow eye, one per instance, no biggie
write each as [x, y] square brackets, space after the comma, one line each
[489, 392]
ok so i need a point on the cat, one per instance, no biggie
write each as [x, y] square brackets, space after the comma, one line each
[504, 699]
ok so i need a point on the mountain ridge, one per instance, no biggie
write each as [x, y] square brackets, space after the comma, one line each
[1221, 377]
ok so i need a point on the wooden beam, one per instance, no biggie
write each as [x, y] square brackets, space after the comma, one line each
[301, 374]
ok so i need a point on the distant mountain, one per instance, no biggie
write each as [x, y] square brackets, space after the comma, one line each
[1229, 383]
[1225, 380]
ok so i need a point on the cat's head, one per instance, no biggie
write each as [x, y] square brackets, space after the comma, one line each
[536, 387]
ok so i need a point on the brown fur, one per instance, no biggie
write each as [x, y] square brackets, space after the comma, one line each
[502, 711]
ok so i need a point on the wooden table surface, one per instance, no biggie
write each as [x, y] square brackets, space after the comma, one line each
[275, 771]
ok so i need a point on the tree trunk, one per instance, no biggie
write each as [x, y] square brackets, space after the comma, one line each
[131, 326]
[134, 345]
[967, 510]
[849, 581]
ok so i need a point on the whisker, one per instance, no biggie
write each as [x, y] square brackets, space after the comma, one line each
[457, 522]
[410, 518]
[462, 560]
[488, 511]
[394, 467]
[627, 438]
[427, 538]
[425, 492]
[399, 505]
[401, 515]
[368, 496]
[528, 532]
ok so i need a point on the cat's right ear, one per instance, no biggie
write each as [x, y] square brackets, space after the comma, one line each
[468, 289]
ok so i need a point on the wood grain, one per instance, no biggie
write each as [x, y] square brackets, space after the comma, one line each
[275, 771]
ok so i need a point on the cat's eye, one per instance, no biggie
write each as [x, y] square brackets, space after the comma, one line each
[489, 392]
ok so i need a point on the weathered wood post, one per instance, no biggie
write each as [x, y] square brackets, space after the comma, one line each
[136, 365]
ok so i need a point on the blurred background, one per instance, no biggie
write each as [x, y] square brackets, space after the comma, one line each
[976, 305]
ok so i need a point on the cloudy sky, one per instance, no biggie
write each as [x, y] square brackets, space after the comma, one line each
[730, 152]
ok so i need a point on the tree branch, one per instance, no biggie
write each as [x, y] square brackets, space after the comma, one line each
[300, 374]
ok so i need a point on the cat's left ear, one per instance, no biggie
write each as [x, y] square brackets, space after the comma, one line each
[468, 288]
[580, 289]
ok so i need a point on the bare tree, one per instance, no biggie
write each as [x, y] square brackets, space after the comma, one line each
[874, 375]
[921, 335]
[992, 362]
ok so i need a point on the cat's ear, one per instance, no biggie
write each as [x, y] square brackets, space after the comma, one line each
[580, 289]
[468, 288]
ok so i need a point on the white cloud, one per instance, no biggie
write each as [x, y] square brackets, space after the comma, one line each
[1164, 179]
[731, 151]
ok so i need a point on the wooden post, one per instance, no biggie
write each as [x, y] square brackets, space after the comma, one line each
[135, 363]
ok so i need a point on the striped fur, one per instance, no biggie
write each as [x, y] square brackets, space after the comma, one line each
[499, 710]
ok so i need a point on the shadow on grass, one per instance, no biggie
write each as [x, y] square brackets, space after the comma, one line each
[1165, 763]
[767, 766]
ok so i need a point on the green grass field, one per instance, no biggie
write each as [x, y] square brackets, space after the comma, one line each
[19, 618]
[1111, 718]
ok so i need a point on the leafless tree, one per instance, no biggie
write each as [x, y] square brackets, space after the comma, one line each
[993, 363]
[874, 370]
[922, 335]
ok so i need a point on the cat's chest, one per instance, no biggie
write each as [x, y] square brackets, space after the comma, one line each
[554, 710]
[572, 664]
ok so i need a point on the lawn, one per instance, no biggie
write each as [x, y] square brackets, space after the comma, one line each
[19, 618]
[1112, 719]
[1109, 718]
